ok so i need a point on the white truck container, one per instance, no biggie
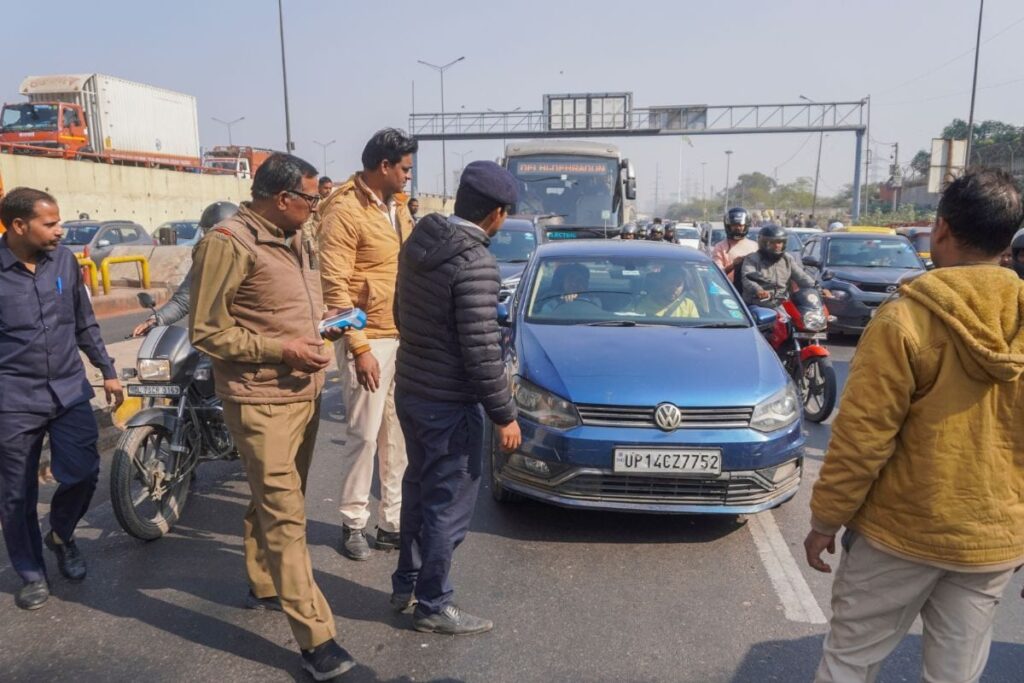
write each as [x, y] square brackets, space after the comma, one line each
[127, 121]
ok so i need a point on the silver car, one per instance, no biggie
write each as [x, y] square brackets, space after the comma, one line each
[97, 239]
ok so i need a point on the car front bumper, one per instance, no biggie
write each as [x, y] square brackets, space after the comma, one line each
[759, 471]
[853, 314]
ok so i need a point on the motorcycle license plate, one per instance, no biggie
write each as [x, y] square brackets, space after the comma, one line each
[154, 390]
[694, 462]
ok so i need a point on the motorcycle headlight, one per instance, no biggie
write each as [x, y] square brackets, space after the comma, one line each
[815, 321]
[152, 370]
[542, 406]
[777, 411]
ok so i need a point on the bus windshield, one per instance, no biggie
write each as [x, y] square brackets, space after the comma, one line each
[579, 189]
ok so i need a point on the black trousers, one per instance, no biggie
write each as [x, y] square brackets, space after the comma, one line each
[444, 442]
[75, 462]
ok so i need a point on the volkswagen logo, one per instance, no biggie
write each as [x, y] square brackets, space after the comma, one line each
[667, 417]
[890, 289]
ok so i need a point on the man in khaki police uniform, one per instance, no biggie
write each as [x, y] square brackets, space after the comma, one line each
[363, 225]
[256, 305]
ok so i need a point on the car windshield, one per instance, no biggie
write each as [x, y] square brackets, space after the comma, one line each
[513, 246]
[632, 291]
[794, 241]
[687, 234]
[872, 253]
[28, 117]
[79, 234]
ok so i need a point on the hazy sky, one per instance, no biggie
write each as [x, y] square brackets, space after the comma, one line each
[352, 65]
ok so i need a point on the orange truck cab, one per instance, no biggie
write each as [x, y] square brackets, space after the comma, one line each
[44, 127]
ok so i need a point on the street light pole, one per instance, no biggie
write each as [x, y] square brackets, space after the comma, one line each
[228, 124]
[728, 158]
[974, 88]
[703, 194]
[324, 146]
[817, 168]
[444, 161]
[289, 147]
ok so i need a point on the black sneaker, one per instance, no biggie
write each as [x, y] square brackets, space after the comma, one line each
[69, 558]
[32, 595]
[450, 621]
[327, 660]
[403, 603]
[271, 604]
[388, 540]
[353, 544]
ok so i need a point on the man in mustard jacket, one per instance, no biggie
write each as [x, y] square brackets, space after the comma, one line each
[926, 464]
[363, 225]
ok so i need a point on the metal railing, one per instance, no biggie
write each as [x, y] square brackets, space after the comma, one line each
[143, 268]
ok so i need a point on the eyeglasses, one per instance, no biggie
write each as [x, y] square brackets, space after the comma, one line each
[311, 199]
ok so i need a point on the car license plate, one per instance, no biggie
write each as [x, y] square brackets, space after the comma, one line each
[154, 390]
[668, 461]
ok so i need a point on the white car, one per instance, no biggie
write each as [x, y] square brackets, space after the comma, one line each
[688, 236]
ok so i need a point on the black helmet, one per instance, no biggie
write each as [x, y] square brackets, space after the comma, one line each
[769, 236]
[670, 232]
[737, 222]
[1016, 247]
[628, 231]
[215, 213]
[657, 232]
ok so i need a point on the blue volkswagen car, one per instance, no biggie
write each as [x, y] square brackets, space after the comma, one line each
[644, 383]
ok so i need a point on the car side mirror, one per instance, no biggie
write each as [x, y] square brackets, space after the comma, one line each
[764, 317]
[811, 261]
[102, 244]
[503, 316]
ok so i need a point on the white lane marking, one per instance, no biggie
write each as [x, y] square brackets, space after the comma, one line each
[798, 603]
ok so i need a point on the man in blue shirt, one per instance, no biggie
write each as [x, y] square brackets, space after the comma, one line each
[45, 317]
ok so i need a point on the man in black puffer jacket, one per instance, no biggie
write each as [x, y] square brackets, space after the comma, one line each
[450, 372]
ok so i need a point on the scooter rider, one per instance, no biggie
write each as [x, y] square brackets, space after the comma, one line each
[730, 252]
[670, 233]
[628, 232]
[641, 231]
[770, 271]
[657, 232]
[177, 307]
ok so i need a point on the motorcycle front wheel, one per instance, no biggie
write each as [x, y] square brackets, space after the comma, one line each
[148, 490]
[818, 389]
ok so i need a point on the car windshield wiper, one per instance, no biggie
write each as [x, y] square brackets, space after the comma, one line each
[718, 325]
[516, 260]
[612, 323]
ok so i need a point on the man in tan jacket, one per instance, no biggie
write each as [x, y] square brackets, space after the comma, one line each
[926, 464]
[256, 306]
[363, 225]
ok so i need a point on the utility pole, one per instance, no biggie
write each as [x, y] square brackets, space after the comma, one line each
[289, 147]
[897, 180]
[703, 194]
[657, 184]
[679, 190]
[817, 168]
[444, 154]
[974, 88]
[415, 163]
[728, 158]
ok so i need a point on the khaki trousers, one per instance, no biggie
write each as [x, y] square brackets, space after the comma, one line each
[373, 429]
[875, 599]
[276, 442]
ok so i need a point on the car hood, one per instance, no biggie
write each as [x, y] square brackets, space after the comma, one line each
[510, 269]
[644, 366]
[879, 276]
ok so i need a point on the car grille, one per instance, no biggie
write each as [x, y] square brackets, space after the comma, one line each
[692, 418]
[882, 288]
[733, 491]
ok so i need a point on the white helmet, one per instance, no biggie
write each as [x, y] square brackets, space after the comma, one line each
[835, 225]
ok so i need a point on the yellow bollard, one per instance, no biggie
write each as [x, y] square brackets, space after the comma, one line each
[92, 280]
[107, 262]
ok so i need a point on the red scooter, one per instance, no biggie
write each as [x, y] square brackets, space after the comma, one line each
[799, 330]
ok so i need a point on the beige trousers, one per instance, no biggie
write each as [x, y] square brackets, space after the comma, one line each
[875, 599]
[373, 429]
[276, 442]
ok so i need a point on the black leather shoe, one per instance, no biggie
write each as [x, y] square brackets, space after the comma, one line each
[353, 544]
[69, 558]
[451, 621]
[387, 540]
[271, 604]
[403, 603]
[327, 661]
[32, 595]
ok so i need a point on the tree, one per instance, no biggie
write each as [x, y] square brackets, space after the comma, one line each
[921, 163]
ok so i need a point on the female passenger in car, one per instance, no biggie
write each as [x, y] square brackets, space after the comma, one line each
[666, 296]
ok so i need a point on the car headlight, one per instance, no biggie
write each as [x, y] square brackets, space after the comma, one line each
[542, 406]
[815, 321]
[840, 294]
[151, 370]
[777, 411]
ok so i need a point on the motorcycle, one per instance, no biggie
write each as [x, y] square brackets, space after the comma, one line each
[180, 427]
[799, 329]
